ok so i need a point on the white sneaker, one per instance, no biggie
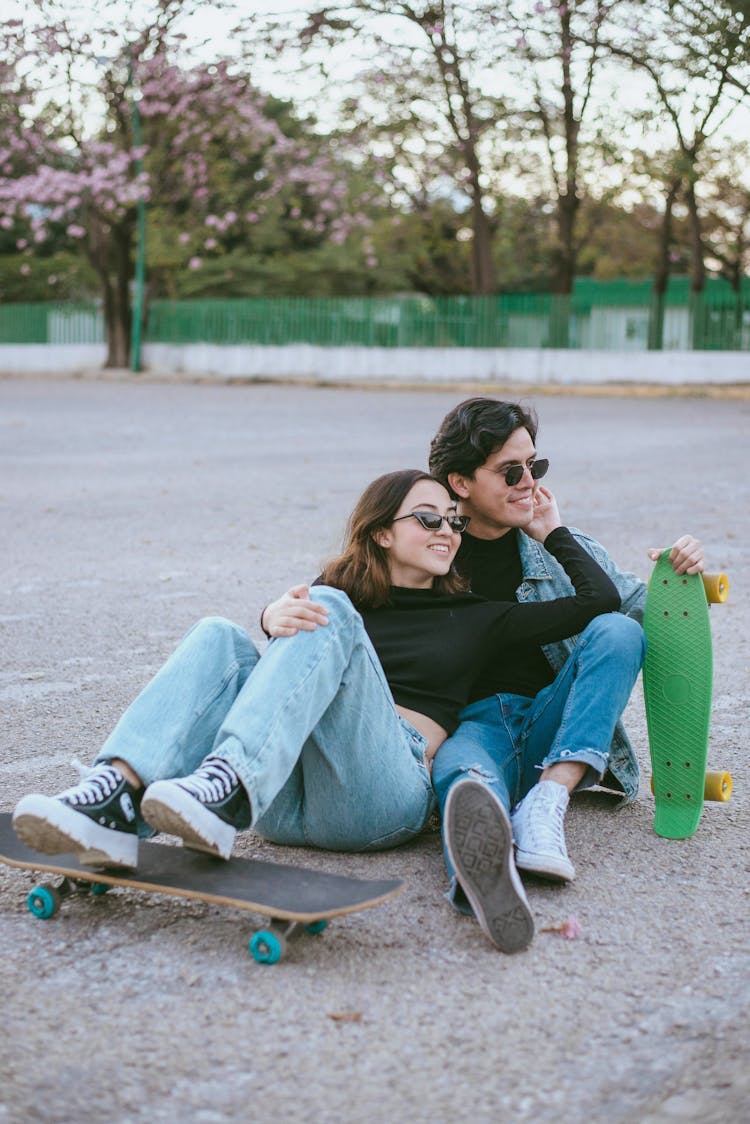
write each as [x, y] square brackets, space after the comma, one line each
[538, 832]
[479, 842]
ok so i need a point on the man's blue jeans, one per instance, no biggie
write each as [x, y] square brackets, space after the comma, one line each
[310, 728]
[505, 740]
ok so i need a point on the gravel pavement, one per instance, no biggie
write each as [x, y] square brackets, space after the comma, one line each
[128, 510]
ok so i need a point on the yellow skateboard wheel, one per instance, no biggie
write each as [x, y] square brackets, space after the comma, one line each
[718, 786]
[717, 587]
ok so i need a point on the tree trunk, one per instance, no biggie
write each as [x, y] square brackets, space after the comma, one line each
[697, 271]
[110, 251]
[565, 259]
[698, 265]
[566, 252]
[117, 324]
[482, 268]
[661, 273]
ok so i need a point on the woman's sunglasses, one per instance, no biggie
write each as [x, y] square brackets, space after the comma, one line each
[431, 521]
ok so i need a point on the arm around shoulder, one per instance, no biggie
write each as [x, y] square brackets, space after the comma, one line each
[293, 612]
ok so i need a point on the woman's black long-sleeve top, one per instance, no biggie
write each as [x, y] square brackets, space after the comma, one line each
[433, 646]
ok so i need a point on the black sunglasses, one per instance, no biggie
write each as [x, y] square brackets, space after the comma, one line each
[431, 521]
[514, 472]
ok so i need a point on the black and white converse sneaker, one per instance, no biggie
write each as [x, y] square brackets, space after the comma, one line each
[204, 810]
[97, 820]
[479, 841]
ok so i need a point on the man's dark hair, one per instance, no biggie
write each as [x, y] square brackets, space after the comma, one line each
[472, 431]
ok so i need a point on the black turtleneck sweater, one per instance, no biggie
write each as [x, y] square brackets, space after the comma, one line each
[433, 647]
[493, 570]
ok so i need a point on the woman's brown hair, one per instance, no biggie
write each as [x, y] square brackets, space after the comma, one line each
[362, 570]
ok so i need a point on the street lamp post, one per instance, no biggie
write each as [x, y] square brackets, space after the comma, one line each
[140, 246]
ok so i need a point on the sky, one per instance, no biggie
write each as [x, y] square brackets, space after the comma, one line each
[214, 25]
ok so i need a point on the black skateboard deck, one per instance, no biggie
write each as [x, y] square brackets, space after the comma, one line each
[294, 897]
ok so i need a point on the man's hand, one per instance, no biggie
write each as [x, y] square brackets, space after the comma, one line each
[686, 555]
[546, 516]
[293, 611]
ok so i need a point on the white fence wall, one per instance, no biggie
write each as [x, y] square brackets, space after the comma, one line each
[532, 366]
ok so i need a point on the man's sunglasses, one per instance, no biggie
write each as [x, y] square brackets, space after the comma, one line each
[514, 472]
[431, 521]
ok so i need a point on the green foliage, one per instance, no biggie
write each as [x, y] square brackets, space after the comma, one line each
[62, 275]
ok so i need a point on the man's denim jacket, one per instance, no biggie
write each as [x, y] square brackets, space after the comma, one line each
[545, 579]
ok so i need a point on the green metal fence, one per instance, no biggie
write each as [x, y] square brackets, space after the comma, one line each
[63, 322]
[616, 315]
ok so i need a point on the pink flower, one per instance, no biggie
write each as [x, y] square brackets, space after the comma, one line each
[210, 243]
[21, 244]
[25, 269]
[195, 263]
[75, 231]
[183, 238]
[570, 929]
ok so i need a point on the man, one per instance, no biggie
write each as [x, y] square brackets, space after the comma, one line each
[549, 724]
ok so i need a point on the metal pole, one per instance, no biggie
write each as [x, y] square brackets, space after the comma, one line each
[140, 246]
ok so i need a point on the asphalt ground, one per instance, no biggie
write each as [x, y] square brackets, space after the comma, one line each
[127, 511]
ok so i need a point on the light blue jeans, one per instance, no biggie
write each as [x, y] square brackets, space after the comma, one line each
[310, 728]
[505, 740]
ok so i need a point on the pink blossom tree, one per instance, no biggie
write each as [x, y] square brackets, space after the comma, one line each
[72, 165]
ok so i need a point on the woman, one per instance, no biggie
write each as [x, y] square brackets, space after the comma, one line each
[325, 740]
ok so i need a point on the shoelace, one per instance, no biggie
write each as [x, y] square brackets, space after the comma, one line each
[212, 781]
[545, 826]
[95, 786]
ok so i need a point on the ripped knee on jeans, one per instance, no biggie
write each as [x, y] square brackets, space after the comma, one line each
[479, 773]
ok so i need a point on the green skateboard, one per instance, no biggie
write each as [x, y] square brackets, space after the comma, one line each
[677, 682]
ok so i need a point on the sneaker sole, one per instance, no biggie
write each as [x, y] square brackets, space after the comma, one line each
[480, 846]
[169, 808]
[45, 824]
[545, 866]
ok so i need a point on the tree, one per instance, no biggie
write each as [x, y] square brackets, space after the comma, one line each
[556, 57]
[421, 109]
[195, 120]
[727, 213]
[696, 57]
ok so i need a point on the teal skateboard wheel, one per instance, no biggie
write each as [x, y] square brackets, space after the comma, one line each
[267, 947]
[43, 902]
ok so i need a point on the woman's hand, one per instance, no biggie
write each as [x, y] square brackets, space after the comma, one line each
[546, 516]
[292, 612]
[686, 555]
